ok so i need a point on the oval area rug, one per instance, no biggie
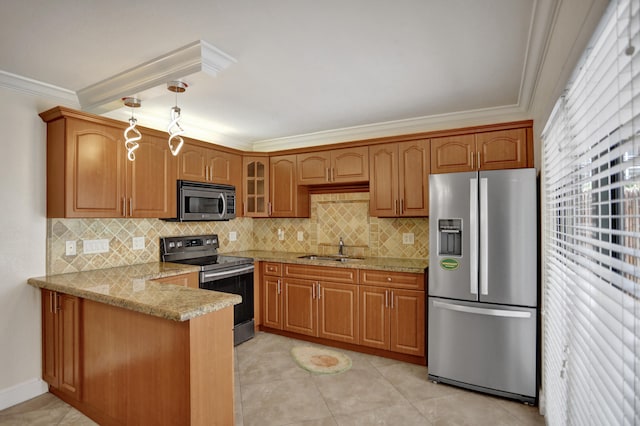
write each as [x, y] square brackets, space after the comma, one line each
[320, 360]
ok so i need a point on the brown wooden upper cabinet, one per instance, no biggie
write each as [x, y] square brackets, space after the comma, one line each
[202, 164]
[501, 149]
[288, 199]
[399, 179]
[88, 174]
[347, 165]
[255, 186]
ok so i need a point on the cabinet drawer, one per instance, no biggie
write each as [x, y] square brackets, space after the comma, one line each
[321, 273]
[392, 279]
[273, 269]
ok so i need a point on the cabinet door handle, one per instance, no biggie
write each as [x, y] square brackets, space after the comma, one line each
[326, 174]
[319, 292]
[278, 287]
[478, 159]
[130, 206]
[313, 290]
[332, 178]
[395, 206]
[51, 302]
[471, 158]
[386, 298]
[124, 207]
[391, 299]
[401, 206]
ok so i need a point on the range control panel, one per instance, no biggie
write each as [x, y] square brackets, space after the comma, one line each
[188, 244]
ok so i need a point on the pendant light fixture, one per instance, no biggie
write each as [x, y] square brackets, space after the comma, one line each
[131, 134]
[174, 129]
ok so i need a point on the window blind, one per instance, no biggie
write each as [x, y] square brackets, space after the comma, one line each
[591, 250]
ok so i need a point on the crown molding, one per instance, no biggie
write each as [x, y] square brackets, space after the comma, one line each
[542, 20]
[33, 87]
[393, 128]
[198, 56]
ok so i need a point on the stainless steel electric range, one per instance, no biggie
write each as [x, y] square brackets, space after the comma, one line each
[227, 274]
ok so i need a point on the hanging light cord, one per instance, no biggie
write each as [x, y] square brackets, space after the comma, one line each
[131, 141]
[175, 130]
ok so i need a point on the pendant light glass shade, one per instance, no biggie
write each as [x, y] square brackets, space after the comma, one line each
[131, 133]
[175, 129]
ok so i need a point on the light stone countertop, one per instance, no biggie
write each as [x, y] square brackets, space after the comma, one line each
[131, 287]
[416, 266]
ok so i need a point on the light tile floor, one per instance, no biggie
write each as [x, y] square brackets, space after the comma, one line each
[272, 390]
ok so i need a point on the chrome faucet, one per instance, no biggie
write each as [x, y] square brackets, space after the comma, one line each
[341, 247]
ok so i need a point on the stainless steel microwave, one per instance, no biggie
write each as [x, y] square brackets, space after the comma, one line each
[198, 201]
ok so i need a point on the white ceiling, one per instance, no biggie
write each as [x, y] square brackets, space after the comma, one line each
[307, 71]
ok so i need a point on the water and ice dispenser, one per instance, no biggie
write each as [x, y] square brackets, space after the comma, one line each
[450, 237]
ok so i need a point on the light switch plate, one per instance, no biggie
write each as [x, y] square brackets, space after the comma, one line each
[300, 236]
[95, 246]
[233, 236]
[70, 248]
[407, 238]
[138, 243]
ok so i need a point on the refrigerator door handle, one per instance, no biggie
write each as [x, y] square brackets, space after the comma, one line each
[482, 311]
[473, 236]
[484, 236]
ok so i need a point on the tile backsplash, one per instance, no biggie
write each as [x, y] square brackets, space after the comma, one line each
[332, 216]
[120, 233]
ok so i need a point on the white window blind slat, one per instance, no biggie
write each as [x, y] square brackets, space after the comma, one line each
[591, 248]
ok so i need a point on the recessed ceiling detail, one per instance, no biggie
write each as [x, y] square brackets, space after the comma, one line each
[198, 56]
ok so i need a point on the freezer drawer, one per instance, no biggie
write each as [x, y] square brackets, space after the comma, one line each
[490, 348]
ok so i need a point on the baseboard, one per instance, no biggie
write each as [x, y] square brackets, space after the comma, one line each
[22, 392]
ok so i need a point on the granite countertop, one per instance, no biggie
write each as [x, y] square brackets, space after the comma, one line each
[131, 287]
[416, 266]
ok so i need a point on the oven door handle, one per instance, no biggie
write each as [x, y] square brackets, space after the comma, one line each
[229, 272]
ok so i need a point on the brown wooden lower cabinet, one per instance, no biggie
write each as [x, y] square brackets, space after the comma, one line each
[321, 309]
[338, 312]
[393, 319]
[299, 305]
[272, 304]
[387, 313]
[61, 342]
[126, 367]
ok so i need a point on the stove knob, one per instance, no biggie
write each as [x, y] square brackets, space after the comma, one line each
[179, 243]
[208, 242]
[172, 244]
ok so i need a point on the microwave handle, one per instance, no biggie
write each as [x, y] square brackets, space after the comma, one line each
[224, 204]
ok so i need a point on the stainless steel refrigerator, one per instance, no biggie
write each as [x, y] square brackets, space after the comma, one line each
[483, 295]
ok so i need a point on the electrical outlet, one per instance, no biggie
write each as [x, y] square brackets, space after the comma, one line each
[280, 234]
[95, 246]
[407, 238]
[138, 243]
[300, 236]
[233, 236]
[70, 248]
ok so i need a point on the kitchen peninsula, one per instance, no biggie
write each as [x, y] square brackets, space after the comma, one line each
[136, 345]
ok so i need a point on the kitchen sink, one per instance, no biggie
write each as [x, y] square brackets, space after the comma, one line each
[330, 258]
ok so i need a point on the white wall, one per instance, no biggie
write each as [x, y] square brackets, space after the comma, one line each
[22, 244]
